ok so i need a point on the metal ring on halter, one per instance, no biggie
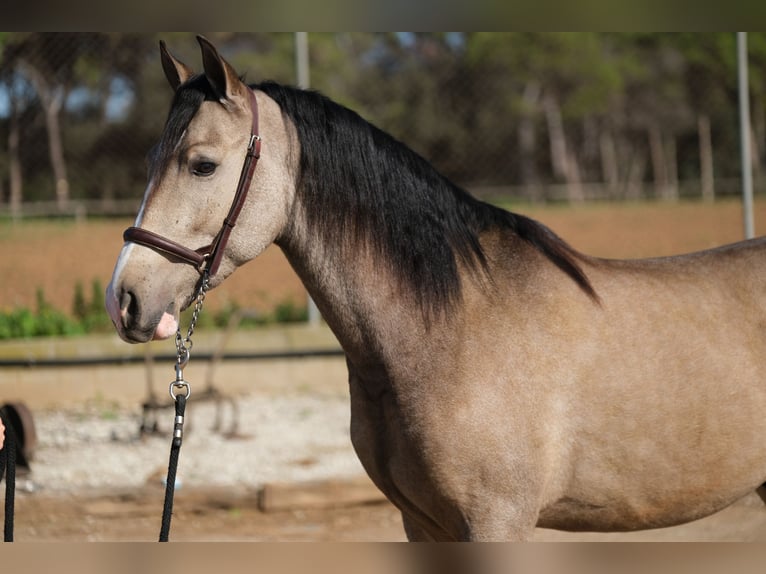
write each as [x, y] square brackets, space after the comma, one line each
[179, 384]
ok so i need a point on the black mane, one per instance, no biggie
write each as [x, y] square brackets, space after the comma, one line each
[358, 184]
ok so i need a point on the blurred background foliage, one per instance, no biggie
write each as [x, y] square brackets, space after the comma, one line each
[535, 116]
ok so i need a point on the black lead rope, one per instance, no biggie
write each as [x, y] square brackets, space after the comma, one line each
[175, 450]
[8, 467]
[183, 350]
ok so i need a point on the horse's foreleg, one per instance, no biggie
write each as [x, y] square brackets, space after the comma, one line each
[761, 492]
[413, 530]
[489, 527]
[500, 522]
[500, 533]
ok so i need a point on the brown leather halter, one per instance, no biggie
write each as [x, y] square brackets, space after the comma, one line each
[207, 259]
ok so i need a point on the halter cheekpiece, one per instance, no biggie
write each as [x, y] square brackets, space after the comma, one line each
[208, 258]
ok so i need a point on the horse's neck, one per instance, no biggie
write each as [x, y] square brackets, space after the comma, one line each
[357, 296]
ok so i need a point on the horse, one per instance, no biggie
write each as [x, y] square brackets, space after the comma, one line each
[499, 379]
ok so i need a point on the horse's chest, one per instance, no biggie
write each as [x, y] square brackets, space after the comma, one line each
[372, 434]
[379, 433]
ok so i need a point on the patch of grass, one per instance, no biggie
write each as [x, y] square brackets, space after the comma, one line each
[285, 312]
[89, 315]
[44, 321]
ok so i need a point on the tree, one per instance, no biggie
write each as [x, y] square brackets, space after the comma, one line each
[488, 109]
[47, 61]
[566, 79]
[16, 94]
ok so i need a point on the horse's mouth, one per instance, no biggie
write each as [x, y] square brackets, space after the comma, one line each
[166, 328]
[129, 324]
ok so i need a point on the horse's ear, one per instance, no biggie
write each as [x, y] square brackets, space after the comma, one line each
[175, 71]
[219, 72]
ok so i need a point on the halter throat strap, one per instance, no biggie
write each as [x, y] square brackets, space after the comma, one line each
[208, 258]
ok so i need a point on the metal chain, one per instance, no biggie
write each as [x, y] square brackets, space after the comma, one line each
[184, 344]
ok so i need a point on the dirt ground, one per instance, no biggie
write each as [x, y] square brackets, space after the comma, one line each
[53, 256]
[210, 515]
[218, 515]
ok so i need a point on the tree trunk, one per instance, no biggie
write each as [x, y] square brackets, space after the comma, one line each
[634, 188]
[706, 158]
[755, 152]
[609, 171]
[57, 154]
[14, 160]
[556, 137]
[52, 103]
[528, 140]
[575, 192]
[671, 164]
[657, 154]
[562, 160]
[590, 152]
[759, 125]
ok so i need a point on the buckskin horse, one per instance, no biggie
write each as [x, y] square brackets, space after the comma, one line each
[499, 379]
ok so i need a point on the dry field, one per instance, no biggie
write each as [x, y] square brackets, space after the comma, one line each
[54, 256]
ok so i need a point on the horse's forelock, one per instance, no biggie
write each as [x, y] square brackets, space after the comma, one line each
[186, 102]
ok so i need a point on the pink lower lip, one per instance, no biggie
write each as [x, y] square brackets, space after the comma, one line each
[166, 328]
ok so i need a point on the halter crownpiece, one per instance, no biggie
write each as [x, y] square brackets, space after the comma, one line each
[208, 258]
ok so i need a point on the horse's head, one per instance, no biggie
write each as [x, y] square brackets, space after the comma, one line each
[189, 203]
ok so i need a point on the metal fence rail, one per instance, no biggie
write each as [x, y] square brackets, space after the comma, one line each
[82, 209]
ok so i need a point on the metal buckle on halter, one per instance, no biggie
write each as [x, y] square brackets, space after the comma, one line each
[203, 265]
[252, 149]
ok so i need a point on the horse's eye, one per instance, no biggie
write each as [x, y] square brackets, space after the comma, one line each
[203, 168]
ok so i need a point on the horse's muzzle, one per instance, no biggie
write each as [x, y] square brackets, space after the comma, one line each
[126, 314]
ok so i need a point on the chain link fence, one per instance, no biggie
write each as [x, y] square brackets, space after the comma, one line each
[79, 111]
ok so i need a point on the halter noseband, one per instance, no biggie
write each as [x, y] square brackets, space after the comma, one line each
[208, 258]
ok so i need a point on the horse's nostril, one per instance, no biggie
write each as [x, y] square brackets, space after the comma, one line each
[128, 308]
